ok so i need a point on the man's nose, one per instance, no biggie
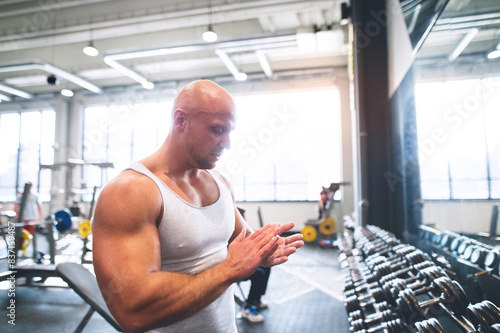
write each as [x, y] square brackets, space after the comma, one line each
[225, 143]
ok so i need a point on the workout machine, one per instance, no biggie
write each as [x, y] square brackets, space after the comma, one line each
[394, 287]
[323, 230]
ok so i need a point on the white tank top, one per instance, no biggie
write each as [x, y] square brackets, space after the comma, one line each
[194, 239]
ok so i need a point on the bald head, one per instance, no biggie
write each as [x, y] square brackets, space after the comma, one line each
[203, 115]
[203, 96]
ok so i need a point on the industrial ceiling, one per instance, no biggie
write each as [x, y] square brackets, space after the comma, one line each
[155, 42]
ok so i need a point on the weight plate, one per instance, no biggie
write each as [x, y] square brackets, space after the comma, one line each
[63, 220]
[309, 234]
[477, 256]
[491, 315]
[26, 240]
[496, 328]
[327, 227]
[456, 243]
[491, 260]
[85, 229]
[463, 300]
[493, 308]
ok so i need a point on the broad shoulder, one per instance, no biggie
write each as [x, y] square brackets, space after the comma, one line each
[129, 182]
[128, 196]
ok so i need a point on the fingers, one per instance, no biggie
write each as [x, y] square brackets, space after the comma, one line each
[286, 227]
[265, 235]
[268, 228]
[293, 238]
[241, 236]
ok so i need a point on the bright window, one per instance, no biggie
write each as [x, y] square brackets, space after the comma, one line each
[458, 136]
[285, 146]
[27, 142]
[120, 135]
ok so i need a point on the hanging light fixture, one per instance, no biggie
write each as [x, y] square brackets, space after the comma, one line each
[495, 53]
[90, 50]
[209, 35]
[67, 92]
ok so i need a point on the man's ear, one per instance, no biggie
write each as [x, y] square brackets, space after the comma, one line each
[180, 120]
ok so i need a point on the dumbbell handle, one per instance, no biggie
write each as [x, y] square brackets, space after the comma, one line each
[377, 317]
[431, 302]
[467, 325]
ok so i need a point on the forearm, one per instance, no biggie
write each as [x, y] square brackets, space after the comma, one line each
[163, 298]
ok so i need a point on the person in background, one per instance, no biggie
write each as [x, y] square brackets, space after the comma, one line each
[259, 279]
[32, 208]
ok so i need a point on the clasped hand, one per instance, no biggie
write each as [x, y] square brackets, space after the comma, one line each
[265, 247]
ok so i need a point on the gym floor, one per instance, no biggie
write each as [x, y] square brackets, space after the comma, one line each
[304, 295]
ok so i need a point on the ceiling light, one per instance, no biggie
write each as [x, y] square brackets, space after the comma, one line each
[14, 91]
[90, 50]
[494, 54]
[209, 36]
[67, 92]
[4, 98]
[148, 85]
[345, 13]
[241, 76]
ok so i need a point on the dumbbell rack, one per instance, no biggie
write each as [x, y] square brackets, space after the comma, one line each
[476, 263]
[390, 286]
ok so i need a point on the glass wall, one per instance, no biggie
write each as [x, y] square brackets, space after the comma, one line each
[457, 95]
[458, 139]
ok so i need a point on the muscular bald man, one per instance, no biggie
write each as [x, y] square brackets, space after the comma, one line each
[168, 240]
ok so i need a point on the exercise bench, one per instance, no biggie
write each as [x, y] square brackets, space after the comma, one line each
[85, 285]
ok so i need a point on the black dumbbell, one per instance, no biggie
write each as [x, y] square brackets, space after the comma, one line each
[484, 314]
[386, 293]
[419, 287]
[415, 268]
[378, 307]
[353, 303]
[359, 323]
[399, 250]
[365, 287]
[374, 244]
[400, 255]
[370, 248]
[357, 282]
[451, 294]
[390, 289]
[430, 325]
[393, 326]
